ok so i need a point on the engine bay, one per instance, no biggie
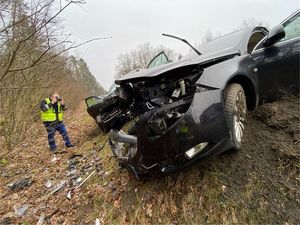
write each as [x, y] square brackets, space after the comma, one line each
[159, 102]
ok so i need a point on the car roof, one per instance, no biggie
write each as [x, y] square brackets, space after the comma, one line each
[236, 40]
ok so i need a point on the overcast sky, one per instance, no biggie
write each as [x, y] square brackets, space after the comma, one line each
[134, 22]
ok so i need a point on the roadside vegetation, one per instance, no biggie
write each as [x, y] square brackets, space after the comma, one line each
[35, 60]
[259, 184]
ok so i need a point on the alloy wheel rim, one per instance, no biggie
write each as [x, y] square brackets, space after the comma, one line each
[239, 116]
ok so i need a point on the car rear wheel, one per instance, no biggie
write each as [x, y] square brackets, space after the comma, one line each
[235, 113]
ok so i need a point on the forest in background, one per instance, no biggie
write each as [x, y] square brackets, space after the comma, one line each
[35, 60]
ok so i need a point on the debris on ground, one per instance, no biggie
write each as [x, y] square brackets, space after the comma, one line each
[48, 184]
[69, 196]
[6, 221]
[54, 159]
[41, 219]
[88, 177]
[21, 210]
[20, 184]
[97, 222]
[57, 187]
[258, 184]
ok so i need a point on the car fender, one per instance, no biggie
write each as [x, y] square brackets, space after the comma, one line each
[219, 75]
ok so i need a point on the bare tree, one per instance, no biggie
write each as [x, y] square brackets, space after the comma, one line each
[209, 36]
[251, 22]
[32, 59]
[140, 57]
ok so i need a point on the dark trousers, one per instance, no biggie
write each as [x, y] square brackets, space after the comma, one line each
[52, 127]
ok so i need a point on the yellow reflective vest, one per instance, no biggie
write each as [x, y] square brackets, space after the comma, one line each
[49, 115]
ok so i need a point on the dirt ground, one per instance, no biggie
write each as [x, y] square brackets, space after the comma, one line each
[258, 184]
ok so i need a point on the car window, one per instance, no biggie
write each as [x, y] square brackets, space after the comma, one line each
[93, 100]
[255, 38]
[112, 88]
[292, 27]
[158, 60]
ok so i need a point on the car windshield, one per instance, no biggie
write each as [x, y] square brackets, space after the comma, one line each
[93, 100]
[112, 88]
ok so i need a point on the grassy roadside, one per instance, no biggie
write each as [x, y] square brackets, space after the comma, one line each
[259, 184]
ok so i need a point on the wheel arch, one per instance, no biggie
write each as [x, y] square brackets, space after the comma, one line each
[248, 87]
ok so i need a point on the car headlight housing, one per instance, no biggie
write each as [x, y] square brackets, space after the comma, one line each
[203, 88]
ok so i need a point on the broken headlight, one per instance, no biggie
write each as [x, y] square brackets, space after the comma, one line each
[203, 88]
[196, 150]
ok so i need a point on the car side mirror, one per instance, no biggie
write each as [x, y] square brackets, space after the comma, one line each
[275, 34]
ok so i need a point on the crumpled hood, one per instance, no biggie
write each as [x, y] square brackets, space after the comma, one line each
[186, 61]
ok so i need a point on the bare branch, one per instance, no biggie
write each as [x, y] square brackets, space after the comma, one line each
[38, 62]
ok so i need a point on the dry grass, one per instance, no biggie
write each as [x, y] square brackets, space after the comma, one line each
[252, 186]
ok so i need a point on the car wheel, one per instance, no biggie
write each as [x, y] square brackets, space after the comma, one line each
[235, 113]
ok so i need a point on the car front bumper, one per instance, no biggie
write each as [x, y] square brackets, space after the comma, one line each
[204, 121]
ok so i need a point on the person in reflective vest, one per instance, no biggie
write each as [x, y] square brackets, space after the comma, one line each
[52, 116]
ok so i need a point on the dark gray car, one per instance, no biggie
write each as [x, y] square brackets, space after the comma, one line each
[179, 112]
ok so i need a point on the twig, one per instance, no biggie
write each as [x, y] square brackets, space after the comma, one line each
[88, 177]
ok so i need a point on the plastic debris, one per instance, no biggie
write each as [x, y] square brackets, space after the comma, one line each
[25, 145]
[72, 172]
[21, 210]
[48, 184]
[69, 195]
[97, 222]
[79, 179]
[223, 188]
[20, 184]
[6, 221]
[57, 187]
[54, 159]
[41, 219]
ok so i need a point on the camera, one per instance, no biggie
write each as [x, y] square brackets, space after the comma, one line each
[58, 98]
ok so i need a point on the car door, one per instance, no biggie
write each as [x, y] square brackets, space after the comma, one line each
[278, 65]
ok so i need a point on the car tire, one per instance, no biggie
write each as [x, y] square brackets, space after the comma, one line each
[235, 113]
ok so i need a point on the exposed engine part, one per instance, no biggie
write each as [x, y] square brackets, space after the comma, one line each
[122, 150]
[124, 146]
[182, 87]
[157, 126]
[176, 93]
[166, 98]
[121, 136]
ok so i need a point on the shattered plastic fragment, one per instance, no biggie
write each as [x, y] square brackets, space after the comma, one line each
[57, 187]
[20, 184]
[79, 179]
[21, 211]
[54, 159]
[223, 188]
[41, 219]
[48, 184]
[97, 222]
[69, 195]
